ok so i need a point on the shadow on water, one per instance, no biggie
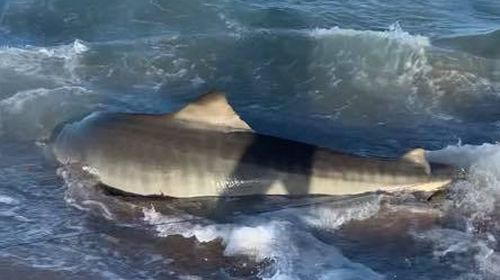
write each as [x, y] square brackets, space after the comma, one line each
[263, 165]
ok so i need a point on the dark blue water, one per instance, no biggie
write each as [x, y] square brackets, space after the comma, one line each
[370, 77]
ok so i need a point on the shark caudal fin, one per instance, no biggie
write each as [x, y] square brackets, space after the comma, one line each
[417, 156]
[211, 108]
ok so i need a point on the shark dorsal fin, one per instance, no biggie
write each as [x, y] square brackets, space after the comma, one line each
[212, 108]
[417, 156]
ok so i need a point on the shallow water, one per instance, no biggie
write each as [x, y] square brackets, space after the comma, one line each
[364, 76]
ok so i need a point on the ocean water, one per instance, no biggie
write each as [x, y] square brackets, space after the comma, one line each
[370, 77]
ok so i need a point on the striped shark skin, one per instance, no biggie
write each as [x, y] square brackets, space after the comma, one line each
[205, 149]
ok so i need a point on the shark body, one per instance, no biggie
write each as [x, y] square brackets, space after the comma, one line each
[205, 149]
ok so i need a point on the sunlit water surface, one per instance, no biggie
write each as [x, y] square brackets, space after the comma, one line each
[366, 77]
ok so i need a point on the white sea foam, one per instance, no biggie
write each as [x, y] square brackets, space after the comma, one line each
[58, 62]
[477, 200]
[332, 218]
[395, 32]
[465, 155]
[33, 114]
[479, 194]
[8, 200]
[274, 236]
[38, 87]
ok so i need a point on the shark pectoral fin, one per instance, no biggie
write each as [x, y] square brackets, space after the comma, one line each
[211, 108]
[417, 156]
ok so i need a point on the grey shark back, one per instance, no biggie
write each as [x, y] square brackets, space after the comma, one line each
[205, 149]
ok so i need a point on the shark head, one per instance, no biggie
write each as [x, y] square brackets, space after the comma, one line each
[69, 139]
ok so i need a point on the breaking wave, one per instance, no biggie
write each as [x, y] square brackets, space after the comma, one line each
[33, 114]
[335, 66]
[24, 68]
[339, 75]
[359, 76]
[394, 68]
[41, 89]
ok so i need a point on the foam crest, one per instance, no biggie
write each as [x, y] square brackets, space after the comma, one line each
[472, 251]
[392, 64]
[465, 155]
[56, 63]
[33, 114]
[395, 32]
[239, 240]
[403, 70]
[81, 192]
[478, 195]
[332, 218]
[476, 202]
[291, 248]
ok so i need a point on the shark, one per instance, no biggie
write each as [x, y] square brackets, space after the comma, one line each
[205, 149]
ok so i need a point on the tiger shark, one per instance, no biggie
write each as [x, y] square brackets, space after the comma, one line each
[206, 149]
